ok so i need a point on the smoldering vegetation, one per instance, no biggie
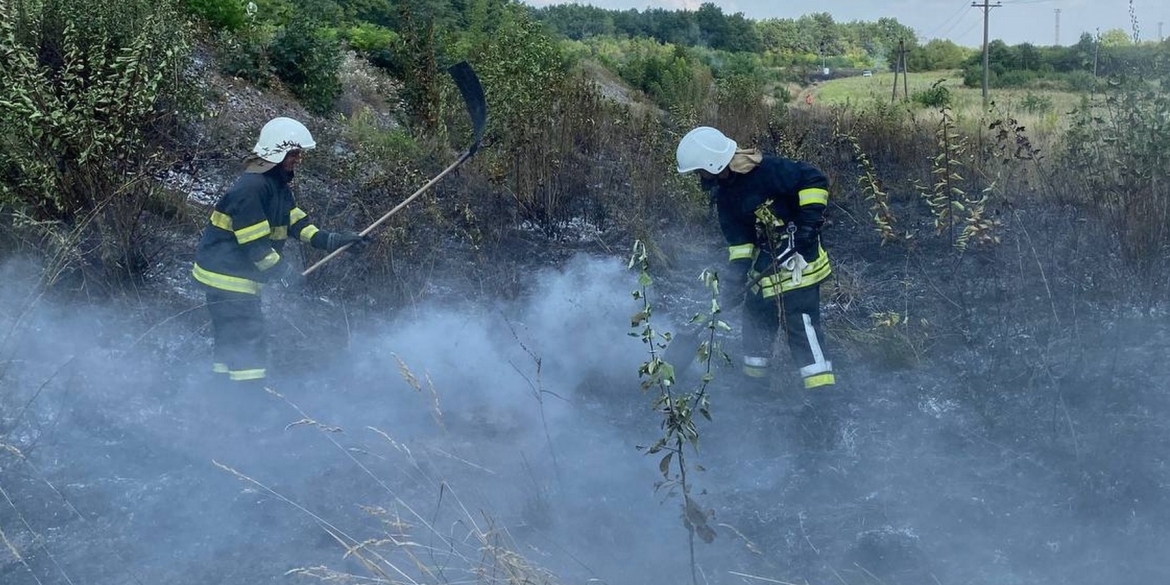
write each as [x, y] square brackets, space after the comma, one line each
[500, 443]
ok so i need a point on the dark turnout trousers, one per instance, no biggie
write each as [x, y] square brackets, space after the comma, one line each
[237, 326]
[802, 324]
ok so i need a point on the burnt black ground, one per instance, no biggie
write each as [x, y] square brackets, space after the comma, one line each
[1012, 433]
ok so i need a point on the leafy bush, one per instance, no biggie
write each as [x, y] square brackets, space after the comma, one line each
[368, 38]
[1117, 153]
[973, 77]
[88, 92]
[220, 14]
[244, 53]
[1081, 81]
[937, 96]
[1015, 78]
[307, 58]
[1037, 104]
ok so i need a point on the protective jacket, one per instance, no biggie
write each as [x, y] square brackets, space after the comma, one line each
[765, 209]
[755, 209]
[243, 242]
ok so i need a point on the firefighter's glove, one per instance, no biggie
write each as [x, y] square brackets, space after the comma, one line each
[337, 240]
[806, 242]
[796, 265]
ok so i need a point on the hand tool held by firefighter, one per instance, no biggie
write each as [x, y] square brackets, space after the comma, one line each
[686, 341]
[472, 92]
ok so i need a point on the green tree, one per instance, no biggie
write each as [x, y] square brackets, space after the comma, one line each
[1115, 37]
[938, 54]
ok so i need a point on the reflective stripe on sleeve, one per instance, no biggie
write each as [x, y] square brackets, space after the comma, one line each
[268, 261]
[279, 232]
[307, 233]
[253, 232]
[296, 215]
[740, 252]
[221, 220]
[814, 197]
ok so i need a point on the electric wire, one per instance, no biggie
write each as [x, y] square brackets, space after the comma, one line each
[934, 32]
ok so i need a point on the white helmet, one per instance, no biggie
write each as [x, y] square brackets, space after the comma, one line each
[281, 135]
[705, 148]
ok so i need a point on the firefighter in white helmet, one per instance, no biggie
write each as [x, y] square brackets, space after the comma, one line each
[242, 247]
[771, 210]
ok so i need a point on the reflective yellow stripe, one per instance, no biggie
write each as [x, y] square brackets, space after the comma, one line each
[740, 252]
[820, 380]
[296, 215]
[279, 232]
[814, 197]
[241, 375]
[308, 232]
[253, 232]
[754, 372]
[221, 221]
[219, 368]
[225, 282]
[268, 261]
[819, 270]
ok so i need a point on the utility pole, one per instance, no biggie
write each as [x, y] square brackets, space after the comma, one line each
[900, 66]
[986, 6]
[1057, 28]
[1096, 50]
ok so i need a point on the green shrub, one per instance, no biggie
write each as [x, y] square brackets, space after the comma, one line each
[244, 53]
[370, 38]
[937, 96]
[1080, 81]
[220, 14]
[88, 93]
[307, 58]
[1015, 78]
[1037, 104]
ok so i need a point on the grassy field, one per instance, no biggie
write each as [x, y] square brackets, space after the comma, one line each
[1042, 109]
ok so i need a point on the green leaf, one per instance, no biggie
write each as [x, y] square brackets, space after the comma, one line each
[639, 318]
[664, 465]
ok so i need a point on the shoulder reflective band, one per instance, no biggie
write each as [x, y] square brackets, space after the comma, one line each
[814, 197]
[740, 252]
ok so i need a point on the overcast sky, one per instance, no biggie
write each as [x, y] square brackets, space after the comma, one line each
[1017, 21]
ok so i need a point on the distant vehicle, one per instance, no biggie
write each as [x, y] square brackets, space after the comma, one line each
[867, 73]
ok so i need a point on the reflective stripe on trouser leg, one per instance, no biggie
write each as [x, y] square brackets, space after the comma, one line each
[755, 367]
[802, 313]
[820, 372]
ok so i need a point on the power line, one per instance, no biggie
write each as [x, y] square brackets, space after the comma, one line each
[970, 27]
[944, 23]
[957, 23]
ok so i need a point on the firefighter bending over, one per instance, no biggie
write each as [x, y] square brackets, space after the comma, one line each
[770, 210]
